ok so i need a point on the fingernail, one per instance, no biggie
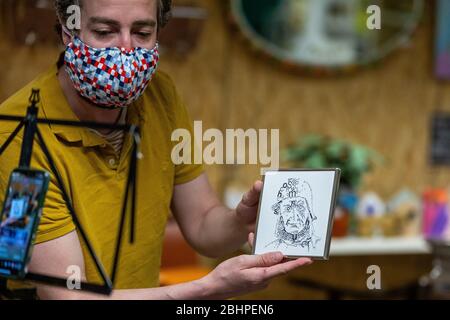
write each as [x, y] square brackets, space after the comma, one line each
[278, 256]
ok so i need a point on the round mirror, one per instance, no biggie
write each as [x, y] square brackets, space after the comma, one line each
[330, 35]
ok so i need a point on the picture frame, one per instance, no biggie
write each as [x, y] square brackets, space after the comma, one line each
[290, 217]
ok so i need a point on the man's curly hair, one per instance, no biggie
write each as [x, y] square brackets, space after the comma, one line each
[164, 11]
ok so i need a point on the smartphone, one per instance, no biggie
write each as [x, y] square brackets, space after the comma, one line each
[19, 220]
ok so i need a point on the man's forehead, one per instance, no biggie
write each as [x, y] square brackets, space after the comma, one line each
[123, 11]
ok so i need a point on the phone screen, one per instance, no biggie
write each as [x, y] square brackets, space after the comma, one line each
[19, 219]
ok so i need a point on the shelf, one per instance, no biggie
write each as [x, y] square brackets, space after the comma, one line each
[378, 246]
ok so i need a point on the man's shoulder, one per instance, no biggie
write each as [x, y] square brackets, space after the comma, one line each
[163, 96]
[162, 84]
[17, 104]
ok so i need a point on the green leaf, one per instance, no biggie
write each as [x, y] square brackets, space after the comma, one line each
[316, 151]
[316, 160]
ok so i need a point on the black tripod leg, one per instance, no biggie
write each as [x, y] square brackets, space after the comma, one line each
[130, 184]
[107, 282]
[135, 156]
[11, 137]
[61, 282]
[122, 222]
[133, 194]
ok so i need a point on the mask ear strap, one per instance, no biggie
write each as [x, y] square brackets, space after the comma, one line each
[67, 32]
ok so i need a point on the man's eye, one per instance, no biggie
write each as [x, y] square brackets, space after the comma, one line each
[144, 34]
[102, 33]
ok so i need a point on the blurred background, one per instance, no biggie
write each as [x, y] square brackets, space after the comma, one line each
[374, 102]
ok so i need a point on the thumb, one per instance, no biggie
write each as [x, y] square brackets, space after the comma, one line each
[251, 198]
[251, 239]
[263, 260]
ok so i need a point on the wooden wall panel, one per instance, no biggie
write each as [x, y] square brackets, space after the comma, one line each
[387, 107]
[201, 75]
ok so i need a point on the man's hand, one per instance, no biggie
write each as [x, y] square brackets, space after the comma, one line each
[247, 273]
[246, 210]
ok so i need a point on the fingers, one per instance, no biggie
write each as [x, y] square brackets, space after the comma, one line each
[263, 260]
[251, 198]
[258, 185]
[284, 268]
[251, 239]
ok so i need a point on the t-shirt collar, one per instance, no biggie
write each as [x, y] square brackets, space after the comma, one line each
[55, 106]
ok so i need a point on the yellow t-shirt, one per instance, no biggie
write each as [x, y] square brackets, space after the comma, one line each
[95, 177]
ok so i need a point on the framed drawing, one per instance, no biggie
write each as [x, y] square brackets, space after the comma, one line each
[295, 214]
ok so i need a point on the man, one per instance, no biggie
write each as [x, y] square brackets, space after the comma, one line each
[117, 84]
[295, 225]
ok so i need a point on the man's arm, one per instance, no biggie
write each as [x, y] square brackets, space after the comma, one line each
[54, 257]
[211, 228]
[235, 276]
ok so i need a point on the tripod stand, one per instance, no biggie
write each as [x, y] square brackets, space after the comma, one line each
[31, 133]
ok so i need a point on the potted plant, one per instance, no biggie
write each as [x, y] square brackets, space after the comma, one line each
[316, 151]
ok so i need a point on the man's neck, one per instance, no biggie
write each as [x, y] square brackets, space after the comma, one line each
[83, 109]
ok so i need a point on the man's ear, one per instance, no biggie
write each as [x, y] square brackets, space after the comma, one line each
[65, 37]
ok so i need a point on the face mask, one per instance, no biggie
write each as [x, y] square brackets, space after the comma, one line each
[110, 77]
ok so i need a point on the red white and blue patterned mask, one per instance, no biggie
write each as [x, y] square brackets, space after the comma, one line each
[110, 77]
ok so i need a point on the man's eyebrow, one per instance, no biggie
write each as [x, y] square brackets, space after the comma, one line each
[110, 22]
[144, 23]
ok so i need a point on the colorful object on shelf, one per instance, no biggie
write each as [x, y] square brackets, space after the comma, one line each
[370, 212]
[371, 205]
[348, 200]
[436, 214]
[344, 214]
[406, 211]
[442, 64]
[341, 223]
